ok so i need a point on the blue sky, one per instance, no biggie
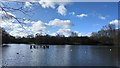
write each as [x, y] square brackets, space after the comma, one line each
[63, 18]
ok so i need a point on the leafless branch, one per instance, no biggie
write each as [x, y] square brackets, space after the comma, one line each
[6, 8]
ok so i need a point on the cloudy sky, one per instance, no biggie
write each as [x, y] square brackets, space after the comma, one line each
[59, 17]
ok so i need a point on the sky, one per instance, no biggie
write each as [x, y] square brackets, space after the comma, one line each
[59, 17]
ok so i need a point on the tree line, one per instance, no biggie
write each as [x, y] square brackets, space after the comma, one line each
[47, 39]
[108, 35]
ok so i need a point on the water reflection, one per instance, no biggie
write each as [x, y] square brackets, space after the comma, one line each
[59, 55]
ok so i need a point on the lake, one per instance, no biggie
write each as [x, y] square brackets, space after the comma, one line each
[59, 55]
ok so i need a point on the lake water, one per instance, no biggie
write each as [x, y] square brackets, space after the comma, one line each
[59, 55]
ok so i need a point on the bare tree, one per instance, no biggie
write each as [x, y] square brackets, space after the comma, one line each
[7, 10]
[74, 34]
[108, 33]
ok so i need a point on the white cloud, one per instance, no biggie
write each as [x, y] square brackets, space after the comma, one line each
[65, 32]
[53, 4]
[116, 23]
[53, 34]
[38, 26]
[5, 16]
[79, 34]
[72, 13]
[27, 21]
[19, 33]
[58, 5]
[61, 23]
[82, 15]
[13, 29]
[11, 26]
[16, 29]
[34, 27]
[102, 17]
[47, 4]
[27, 4]
[62, 10]
[6, 20]
[86, 34]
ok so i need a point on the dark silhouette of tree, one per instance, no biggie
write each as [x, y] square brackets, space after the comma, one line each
[6, 38]
[107, 35]
[74, 34]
